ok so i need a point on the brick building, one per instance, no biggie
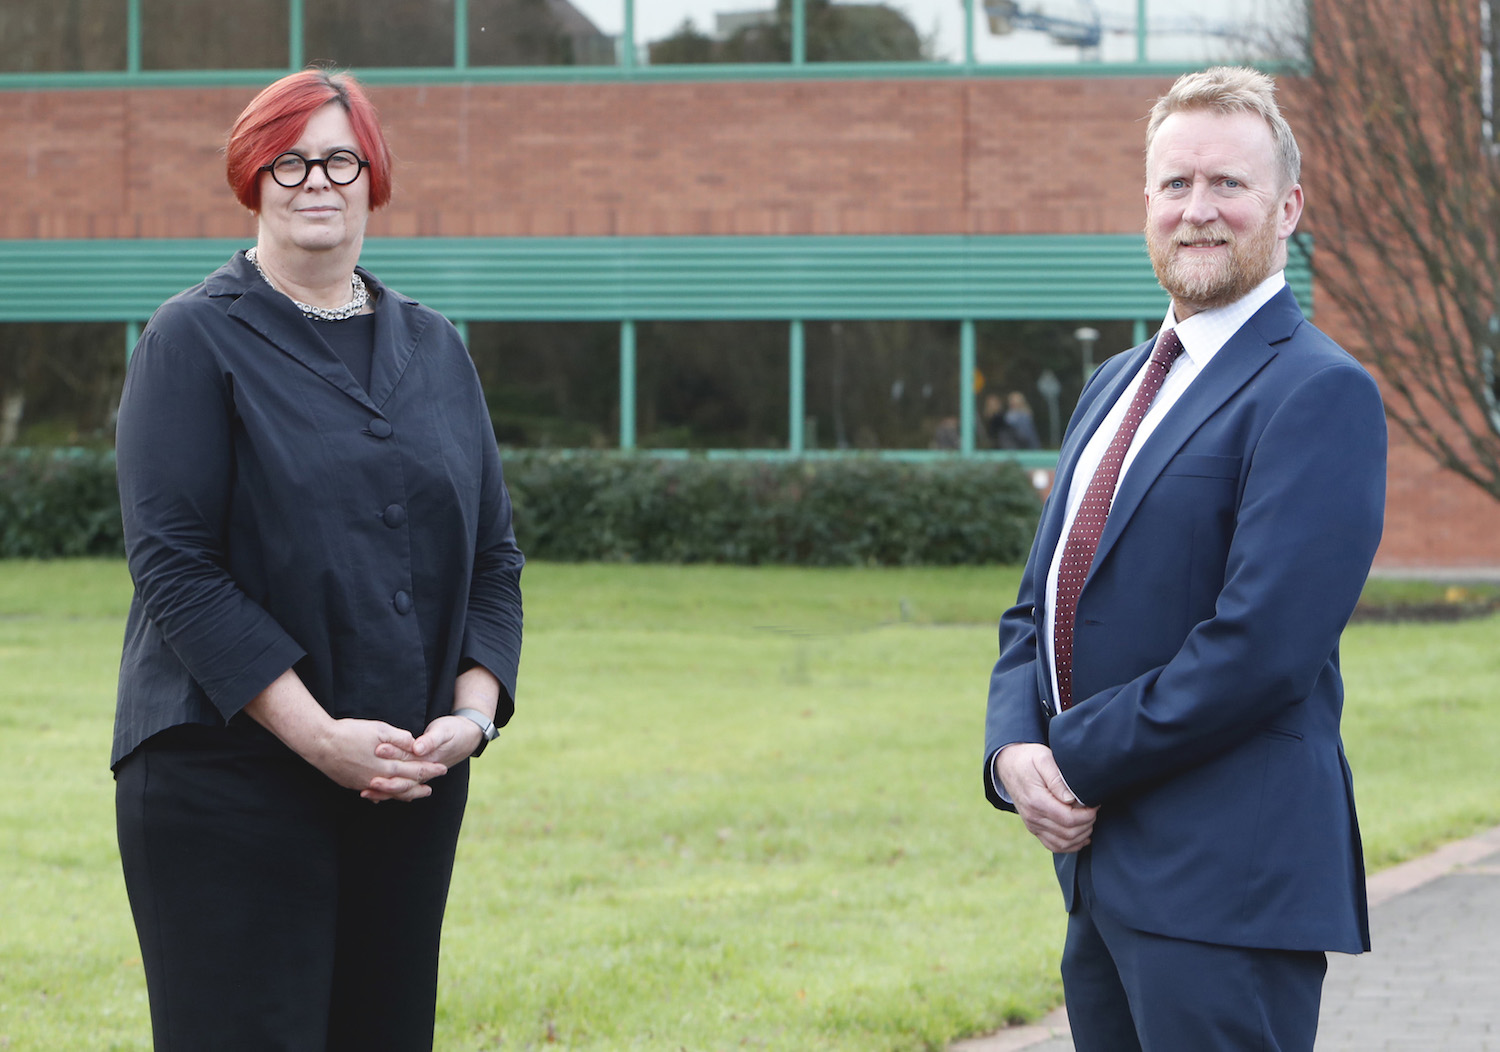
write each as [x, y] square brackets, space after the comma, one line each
[948, 203]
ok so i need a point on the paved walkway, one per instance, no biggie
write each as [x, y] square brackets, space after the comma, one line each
[1432, 983]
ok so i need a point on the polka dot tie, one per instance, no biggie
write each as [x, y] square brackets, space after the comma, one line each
[1088, 525]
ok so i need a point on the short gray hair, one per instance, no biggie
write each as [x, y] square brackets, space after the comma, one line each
[1226, 90]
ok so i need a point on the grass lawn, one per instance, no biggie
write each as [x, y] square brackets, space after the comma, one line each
[739, 808]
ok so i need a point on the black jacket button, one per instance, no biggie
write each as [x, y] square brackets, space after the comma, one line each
[402, 602]
[380, 428]
[395, 516]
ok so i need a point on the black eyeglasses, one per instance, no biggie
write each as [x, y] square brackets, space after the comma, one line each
[291, 168]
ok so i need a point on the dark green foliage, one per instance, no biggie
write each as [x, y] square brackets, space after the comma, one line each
[59, 503]
[582, 507]
[816, 512]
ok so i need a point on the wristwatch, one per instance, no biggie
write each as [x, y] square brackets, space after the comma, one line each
[487, 729]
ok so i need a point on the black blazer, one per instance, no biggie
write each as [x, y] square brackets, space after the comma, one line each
[277, 515]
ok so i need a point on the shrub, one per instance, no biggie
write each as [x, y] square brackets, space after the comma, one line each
[573, 506]
[59, 503]
[581, 507]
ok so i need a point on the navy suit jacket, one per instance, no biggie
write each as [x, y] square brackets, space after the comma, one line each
[1206, 671]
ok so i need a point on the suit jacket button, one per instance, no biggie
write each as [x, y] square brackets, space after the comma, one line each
[402, 602]
[395, 516]
[380, 428]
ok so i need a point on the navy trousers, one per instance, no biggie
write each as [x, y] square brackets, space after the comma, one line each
[276, 911]
[1132, 991]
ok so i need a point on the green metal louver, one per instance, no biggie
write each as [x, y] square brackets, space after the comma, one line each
[589, 278]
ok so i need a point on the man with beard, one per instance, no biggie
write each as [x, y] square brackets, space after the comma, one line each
[1164, 714]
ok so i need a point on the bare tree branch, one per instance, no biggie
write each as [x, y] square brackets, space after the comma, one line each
[1404, 202]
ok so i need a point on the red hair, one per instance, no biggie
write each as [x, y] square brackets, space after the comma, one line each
[275, 119]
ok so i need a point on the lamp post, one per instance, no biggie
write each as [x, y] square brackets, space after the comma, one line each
[1049, 387]
[1086, 338]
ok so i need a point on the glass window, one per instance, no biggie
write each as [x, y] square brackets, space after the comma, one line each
[60, 383]
[940, 24]
[544, 32]
[550, 384]
[882, 385]
[364, 33]
[1040, 367]
[1197, 32]
[712, 384]
[189, 34]
[894, 31]
[1188, 32]
[1055, 31]
[675, 32]
[698, 31]
[659, 19]
[44, 36]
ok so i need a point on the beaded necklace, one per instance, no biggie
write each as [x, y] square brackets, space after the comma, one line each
[360, 294]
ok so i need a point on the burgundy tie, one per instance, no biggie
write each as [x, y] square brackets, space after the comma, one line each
[1088, 525]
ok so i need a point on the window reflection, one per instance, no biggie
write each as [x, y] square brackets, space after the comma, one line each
[718, 32]
[1191, 32]
[940, 24]
[712, 384]
[368, 33]
[869, 385]
[1005, 31]
[44, 36]
[91, 35]
[189, 34]
[550, 384]
[882, 385]
[723, 37]
[60, 383]
[538, 33]
[1196, 33]
[863, 33]
[1045, 363]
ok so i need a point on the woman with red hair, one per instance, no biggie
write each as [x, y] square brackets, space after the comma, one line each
[327, 612]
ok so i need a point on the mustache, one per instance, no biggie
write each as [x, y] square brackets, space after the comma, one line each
[1215, 232]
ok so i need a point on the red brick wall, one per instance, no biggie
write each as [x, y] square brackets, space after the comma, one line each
[1001, 156]
[1432, 517]
[783, 157]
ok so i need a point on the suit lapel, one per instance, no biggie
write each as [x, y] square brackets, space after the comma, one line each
[1237, 362]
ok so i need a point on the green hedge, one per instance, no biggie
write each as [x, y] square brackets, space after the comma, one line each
[58, 503]
[604, 506]
[817, 512]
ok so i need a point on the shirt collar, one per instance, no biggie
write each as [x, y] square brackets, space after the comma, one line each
[1206, 332]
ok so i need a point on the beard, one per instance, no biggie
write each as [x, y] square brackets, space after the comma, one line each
[1218, 281]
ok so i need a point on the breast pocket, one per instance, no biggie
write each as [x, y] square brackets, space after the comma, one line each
[1199, 493]
[1203, 465]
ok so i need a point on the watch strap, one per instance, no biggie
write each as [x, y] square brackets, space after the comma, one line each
[487, 730]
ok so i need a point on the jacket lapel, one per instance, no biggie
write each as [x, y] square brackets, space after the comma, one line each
[277, 319]
[398, 331]
[1246, 353]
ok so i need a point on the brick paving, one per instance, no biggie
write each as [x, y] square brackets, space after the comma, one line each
[1432, 983]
